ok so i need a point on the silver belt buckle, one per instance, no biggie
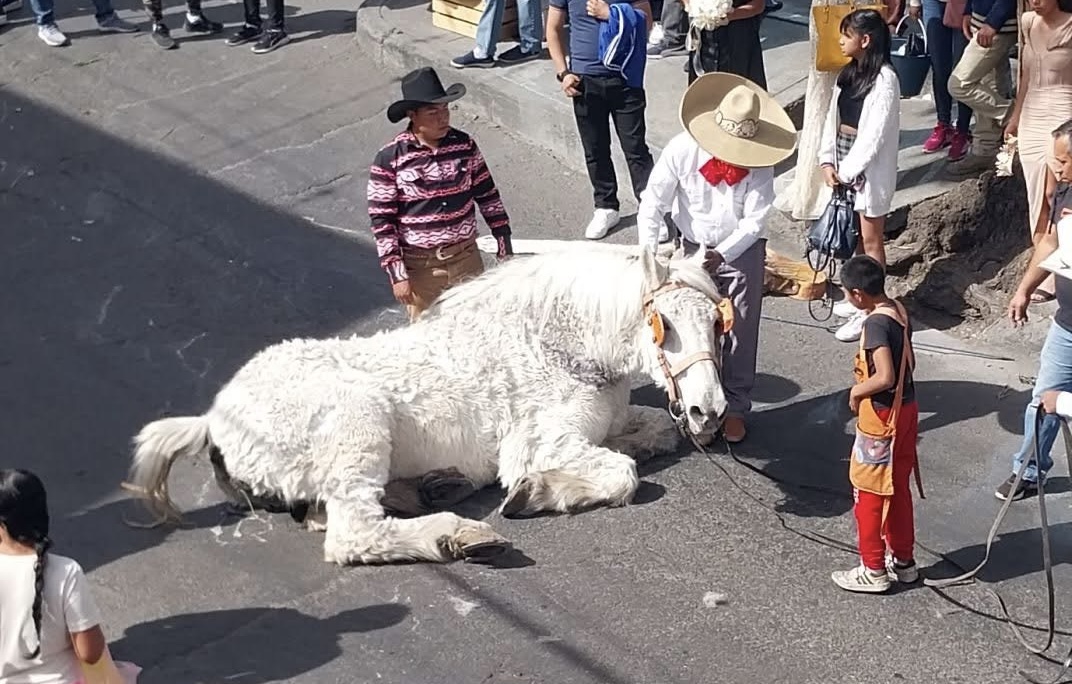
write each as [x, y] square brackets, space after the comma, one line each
[439, 253]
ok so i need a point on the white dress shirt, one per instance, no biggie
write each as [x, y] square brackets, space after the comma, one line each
[728, 219]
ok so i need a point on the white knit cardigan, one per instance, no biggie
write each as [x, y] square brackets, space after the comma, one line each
[874, 153]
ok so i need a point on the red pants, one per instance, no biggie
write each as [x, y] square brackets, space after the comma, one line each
[900, 532]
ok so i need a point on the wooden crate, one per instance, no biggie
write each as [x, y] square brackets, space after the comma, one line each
[462, 17]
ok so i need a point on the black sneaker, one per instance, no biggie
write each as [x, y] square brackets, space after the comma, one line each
[1005, 491]
[202, 24]
[471, 60]
[516, 55]
[665, 49]
[162, 37]
[270, 41]
[245, 35]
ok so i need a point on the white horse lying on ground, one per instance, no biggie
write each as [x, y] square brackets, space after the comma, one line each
[522, 375]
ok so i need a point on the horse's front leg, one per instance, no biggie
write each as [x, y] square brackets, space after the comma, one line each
[565, 473]
[643, 432]
[355, 466]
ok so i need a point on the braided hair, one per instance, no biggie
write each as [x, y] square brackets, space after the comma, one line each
[24, 515]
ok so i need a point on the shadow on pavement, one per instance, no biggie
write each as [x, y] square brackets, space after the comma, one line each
[229, 645]
[132, 288]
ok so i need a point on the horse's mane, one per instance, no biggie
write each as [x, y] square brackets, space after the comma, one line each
[605, 284]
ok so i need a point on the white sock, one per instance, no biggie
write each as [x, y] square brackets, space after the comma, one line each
[193, 18]
[479, 53]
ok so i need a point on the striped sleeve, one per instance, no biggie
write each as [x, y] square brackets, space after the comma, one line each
[486, 194]
[383, 214]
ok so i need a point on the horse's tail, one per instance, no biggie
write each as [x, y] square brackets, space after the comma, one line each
[156, 448]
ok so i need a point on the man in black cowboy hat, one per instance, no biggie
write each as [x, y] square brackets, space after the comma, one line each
[423, 191]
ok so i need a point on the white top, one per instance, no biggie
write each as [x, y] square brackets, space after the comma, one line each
[1064, 405]
[724, 218]
[874, 153]
[67, 607]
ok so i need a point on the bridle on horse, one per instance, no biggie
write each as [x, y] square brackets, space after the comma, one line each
[658, 331]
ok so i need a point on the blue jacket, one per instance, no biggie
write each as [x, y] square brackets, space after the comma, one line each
[995, 12]
[623, 42]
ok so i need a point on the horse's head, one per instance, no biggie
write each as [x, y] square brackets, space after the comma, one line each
[683, 340]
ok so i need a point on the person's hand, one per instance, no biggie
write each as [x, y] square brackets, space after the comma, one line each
[913, 11]
[403, 292]
[1066, 212]
[830, 176]
[1049, 400]
[1012, 128]
[598, 9]
[713, 260]
[985, 36]
[965, 27]
[569, 85]
[854, 401]
[1017, 311]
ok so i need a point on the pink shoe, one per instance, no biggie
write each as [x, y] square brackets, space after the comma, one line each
[959, 146]
[941, 136]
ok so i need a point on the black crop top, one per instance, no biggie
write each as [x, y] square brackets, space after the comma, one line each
[849, 109]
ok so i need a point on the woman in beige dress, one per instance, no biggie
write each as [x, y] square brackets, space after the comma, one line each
[1043, 102]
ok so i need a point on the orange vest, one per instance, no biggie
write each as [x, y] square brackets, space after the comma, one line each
[871, 461]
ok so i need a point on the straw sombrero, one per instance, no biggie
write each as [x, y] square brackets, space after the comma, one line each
[737, 121]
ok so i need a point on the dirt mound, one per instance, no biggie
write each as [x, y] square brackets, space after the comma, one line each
[961, 255]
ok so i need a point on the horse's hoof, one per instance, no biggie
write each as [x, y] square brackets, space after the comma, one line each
[518, 499]
[441, 490]
[479, 545]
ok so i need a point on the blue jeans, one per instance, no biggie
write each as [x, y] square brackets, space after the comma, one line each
[946, 46]
[1055, 372]
[43, 11]
[528, 25]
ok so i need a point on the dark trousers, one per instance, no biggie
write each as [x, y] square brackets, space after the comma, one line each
[603, 99]
[155, 9]
[275, 13]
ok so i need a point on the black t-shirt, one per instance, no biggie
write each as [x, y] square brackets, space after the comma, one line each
[1062, 199]
[882, 331]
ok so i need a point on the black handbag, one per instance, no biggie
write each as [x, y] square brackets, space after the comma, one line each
[836, 233]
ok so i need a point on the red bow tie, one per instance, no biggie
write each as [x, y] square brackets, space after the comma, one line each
[717, 171]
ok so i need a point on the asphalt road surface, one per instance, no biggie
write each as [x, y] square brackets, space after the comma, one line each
[165, 215]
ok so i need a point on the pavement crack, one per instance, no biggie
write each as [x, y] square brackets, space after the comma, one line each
[300, 146]
[316, 188]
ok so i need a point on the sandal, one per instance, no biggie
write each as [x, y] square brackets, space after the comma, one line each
[1042, 296]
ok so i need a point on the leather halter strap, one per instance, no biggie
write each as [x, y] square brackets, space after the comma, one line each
[673, 391]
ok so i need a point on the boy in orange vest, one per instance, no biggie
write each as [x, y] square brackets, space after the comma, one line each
[884, 453]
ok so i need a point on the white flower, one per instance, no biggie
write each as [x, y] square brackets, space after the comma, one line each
[707, 15]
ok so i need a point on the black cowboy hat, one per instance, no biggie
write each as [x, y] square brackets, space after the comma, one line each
[422, 87]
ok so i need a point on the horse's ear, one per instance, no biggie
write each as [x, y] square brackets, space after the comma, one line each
[655, 270]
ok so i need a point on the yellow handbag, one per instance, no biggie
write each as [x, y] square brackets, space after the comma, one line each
[827, 19]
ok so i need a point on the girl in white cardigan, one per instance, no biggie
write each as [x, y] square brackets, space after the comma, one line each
[860, 138]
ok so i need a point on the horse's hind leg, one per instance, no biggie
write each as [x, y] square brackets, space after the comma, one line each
[643, 432]
[569, 474]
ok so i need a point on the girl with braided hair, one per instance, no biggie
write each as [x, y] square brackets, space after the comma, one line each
[49, 623]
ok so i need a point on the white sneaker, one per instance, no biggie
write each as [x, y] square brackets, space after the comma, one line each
[602, 221]
[51, 34]
[853, 328]
[905, 574]
[656, 34]
[845, 309]
[860, 579]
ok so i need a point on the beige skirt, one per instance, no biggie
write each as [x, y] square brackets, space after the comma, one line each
[1044, 110]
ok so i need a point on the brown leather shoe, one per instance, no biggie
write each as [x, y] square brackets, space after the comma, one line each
[733, 429]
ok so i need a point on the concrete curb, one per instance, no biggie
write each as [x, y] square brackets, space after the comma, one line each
[539, 118]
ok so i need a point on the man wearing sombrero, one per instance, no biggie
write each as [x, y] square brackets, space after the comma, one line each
[423, 190]
[720, 172]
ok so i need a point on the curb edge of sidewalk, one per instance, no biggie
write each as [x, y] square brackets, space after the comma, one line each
[544, 120]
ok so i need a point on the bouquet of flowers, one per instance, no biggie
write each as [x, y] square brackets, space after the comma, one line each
[1003, 162]
[707, 15]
